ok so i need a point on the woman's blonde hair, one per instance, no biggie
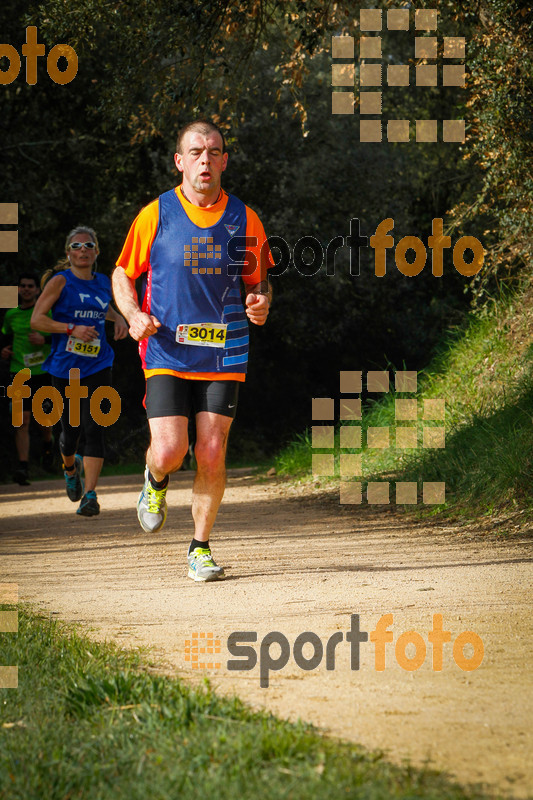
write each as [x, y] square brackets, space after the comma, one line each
[64, 263]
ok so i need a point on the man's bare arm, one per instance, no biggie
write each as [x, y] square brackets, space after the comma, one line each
[141, 324]
[124, 293]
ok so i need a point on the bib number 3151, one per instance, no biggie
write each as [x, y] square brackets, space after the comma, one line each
[81, 348]
[204, 334]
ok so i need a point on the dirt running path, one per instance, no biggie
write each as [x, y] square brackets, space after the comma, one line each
[295, 563]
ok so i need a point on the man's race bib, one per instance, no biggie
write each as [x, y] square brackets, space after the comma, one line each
[204, 334]
[33, 359]
[89, 349]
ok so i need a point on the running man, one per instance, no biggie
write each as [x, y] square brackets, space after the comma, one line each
[191, 327]
[27, 349]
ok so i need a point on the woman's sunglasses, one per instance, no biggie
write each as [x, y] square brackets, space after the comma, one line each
[79, 245]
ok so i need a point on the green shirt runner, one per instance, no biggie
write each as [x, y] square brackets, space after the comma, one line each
[25, 354]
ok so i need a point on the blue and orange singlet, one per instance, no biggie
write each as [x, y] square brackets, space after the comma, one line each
[188, 282]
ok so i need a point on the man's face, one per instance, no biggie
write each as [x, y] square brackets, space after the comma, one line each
[28, 291]
[202, 161]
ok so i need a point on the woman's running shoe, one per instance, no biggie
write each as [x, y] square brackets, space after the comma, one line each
[89, 506]
[74, 481]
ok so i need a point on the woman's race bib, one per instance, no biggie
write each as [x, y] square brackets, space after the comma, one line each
[80, 348]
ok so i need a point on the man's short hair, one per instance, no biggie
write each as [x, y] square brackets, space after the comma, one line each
[29, 276]
[202, 126]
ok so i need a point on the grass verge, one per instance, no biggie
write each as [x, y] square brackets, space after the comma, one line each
[90, 721]
[484, 375]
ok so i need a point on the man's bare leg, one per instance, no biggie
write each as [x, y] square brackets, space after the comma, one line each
[167, 449]
[211, 440]
[168, 445]
[212, 432]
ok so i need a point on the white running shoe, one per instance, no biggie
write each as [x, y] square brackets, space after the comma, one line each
[202, 566]
[151, 506]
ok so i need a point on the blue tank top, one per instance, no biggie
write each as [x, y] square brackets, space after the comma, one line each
[83, 303]
[188, 284]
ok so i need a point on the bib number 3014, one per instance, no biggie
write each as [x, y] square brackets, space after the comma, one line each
[204, 334]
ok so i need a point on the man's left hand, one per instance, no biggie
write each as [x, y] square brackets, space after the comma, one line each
[36, 338]
[257, 307]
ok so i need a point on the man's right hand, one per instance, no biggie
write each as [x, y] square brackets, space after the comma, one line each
[143, 325]
[7, 352]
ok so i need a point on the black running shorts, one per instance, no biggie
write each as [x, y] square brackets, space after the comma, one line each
[170, 396]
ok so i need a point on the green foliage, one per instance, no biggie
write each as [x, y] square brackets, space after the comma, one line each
[484, 373]
[499, 204]
[98, 149]
[295, 458]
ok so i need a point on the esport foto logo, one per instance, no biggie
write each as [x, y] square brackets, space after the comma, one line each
[273, 652]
